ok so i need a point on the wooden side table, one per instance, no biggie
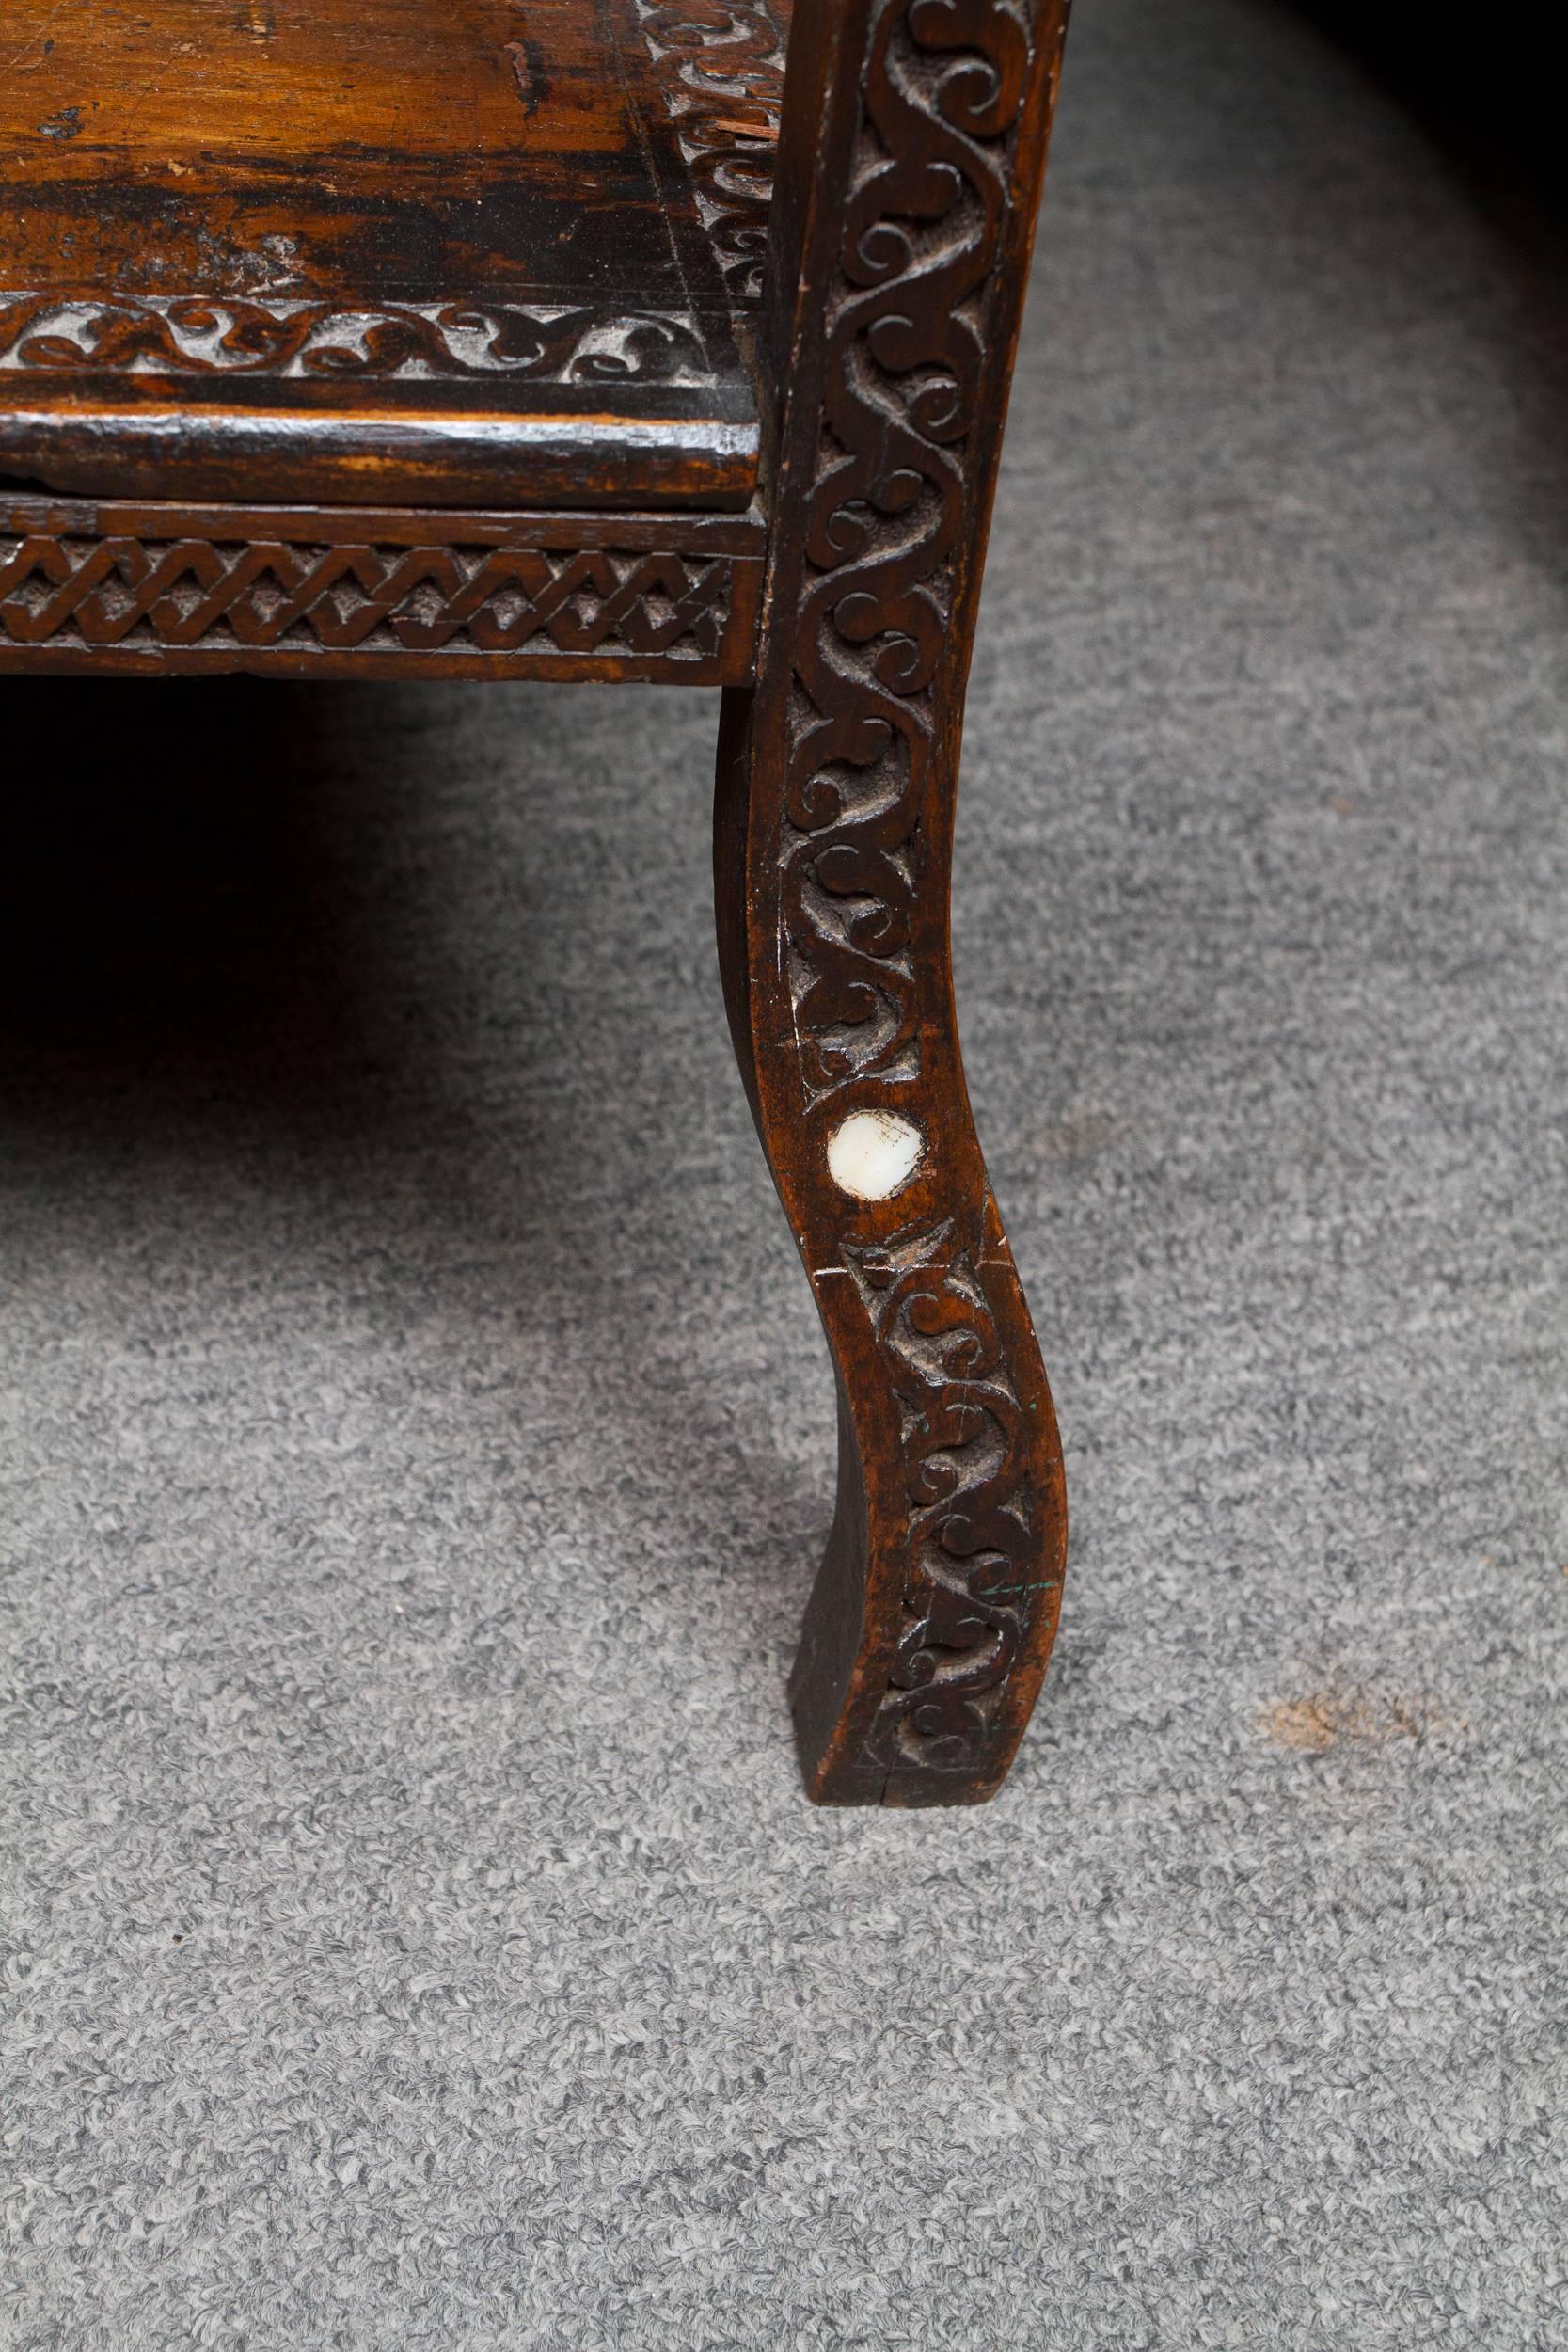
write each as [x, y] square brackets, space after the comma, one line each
[356, 337]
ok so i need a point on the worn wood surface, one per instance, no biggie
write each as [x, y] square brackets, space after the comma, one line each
[914, 143]
[466, 269]
[311, 592]
[379, 251]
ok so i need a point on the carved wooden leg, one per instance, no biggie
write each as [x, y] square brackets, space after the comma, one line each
[913, 145]
[934, 1610]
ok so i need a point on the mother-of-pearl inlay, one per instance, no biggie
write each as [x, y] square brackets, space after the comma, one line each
[872, 1153]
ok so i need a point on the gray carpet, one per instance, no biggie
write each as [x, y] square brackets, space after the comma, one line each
[415, 1438]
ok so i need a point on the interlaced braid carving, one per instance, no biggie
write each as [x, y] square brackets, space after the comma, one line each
[965, 1449]
[194, 335]
[116, 590]
[907, 343]
[721, 65]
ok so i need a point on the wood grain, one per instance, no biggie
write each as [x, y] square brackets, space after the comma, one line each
[914, 143]
[371, 250]
[316, 593]
[394, 342]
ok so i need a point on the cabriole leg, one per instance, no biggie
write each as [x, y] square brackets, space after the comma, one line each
[913, 144]
[934, 1608]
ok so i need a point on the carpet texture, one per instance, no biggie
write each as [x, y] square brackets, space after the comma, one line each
[415, 1438]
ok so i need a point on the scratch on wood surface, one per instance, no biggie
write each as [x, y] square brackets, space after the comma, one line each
[35, 40]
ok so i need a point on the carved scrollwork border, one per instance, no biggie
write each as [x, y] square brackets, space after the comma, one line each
[915, 346]
[906, 351]
[972, 1535]
[199, 335]
[721, 67]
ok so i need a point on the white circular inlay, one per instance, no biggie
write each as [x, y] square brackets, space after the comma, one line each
[873, 1152]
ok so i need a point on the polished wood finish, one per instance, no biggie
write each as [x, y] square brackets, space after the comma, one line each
[510, 487]
[318, 592]
[381, 252]
[915, 138]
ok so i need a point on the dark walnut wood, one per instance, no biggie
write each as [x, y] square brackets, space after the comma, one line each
[347, 340]
[314, 591]
[915, 136]
[384, 252]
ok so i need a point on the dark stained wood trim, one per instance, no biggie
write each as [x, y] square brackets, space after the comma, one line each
[465, 540]
[193, 338]
[721, 65]
[914, 143]
[365, 252]
[575, 455]
[404, 526]
[116, 586]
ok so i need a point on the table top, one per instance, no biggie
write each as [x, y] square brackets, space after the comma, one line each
[368, 249]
